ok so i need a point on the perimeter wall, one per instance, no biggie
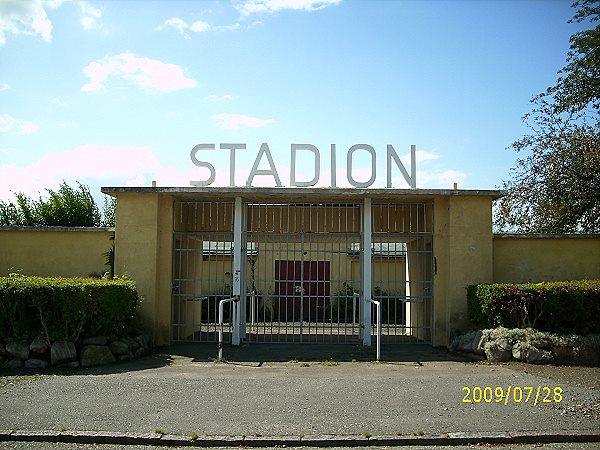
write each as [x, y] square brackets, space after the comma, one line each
[54, 251]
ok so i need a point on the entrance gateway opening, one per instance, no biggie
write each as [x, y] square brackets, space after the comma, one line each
[306, 272]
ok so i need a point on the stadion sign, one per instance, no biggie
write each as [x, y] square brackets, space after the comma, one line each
[264, 153]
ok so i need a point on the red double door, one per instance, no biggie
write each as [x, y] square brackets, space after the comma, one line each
[302, 290]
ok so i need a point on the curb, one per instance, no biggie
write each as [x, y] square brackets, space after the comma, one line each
[458, 438]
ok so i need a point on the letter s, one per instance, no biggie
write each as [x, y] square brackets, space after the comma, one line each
[204, 164]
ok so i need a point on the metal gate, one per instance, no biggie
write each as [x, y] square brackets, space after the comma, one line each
[402, 270]
[302, 271]
[202, 269]
[302, 277]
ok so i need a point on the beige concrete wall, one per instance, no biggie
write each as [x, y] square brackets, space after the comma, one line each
[524, 259]
[144, 234]
[54, 251]
[463, 250]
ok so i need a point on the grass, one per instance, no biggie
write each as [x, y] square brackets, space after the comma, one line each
[293, 361]
[193, 436]
[367, 435]
[329, 362]
[219, 361]
[305, 365]
[159, 431]
[62, 429]
[419, 433]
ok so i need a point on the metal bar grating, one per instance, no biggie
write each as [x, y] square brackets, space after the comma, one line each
[402, 270]
[302, 271]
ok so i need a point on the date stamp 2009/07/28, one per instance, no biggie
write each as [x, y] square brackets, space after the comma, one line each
[512, 394]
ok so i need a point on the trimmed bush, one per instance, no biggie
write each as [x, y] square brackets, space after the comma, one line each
[65, 308]
[555, 307]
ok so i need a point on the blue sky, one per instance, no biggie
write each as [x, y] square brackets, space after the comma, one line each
[117, 93]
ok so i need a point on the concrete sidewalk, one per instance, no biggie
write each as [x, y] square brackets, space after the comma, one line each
[327, 394]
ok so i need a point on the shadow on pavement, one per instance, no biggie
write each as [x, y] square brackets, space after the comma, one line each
[263, 353]
[256, 355]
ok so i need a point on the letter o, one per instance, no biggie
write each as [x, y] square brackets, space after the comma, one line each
[371, 180]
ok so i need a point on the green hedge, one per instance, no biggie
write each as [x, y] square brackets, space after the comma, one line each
[65, 308]
[554, 307]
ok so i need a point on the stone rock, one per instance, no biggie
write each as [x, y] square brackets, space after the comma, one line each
[139, 352]
[119, 348]
[504, 344]
[95, 340]
[35, 363]
[144, 341]
[132, 343]
[127, 357]
[71, 365]
[477, 335]
[519, 351]
[588, 356]
[479, 348]
[18, 350]
[544, 343]
[538, 356]
[495, 353]
[39, 345]
[565, 354]
[3, 351]
[14, 363]
[463, 343]
[96, 355]
[573, 341]
[63, 352]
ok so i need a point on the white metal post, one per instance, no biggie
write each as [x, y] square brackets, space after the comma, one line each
[365, 271]
[238, 310]
[233, 313]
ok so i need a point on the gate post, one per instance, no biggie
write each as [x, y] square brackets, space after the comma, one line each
[238, 272]
[365, 272]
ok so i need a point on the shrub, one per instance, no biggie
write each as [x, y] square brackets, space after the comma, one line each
[65, 308]
[555, 307]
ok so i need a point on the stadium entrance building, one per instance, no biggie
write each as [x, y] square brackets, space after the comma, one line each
[305, 265]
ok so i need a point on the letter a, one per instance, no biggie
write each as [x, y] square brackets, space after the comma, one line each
[264, 149]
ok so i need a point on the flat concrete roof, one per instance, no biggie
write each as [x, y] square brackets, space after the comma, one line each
[302, 193]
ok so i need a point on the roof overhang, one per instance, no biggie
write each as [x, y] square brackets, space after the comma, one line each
[300, 194]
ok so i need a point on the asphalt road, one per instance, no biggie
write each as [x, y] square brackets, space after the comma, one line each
[183, 392]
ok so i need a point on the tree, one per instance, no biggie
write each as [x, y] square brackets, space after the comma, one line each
[67, 207]
[556, 187]
[109, 211]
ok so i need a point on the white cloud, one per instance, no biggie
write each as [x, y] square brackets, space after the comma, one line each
[232, 27]
[9, 123]
[28, 128]
[220, 98]
[90, 14]
[28, 18]
[122, 165]
[145, 73]
[237, 121]
[441, 179]
[200, 26]
[248, 7]
[183, 27]
[4, 87]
